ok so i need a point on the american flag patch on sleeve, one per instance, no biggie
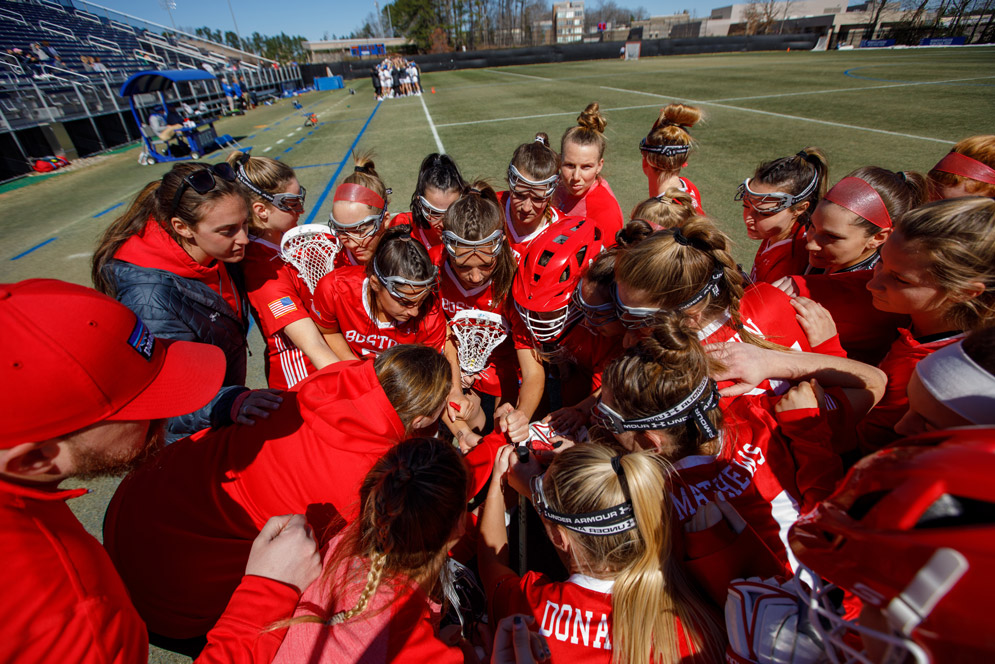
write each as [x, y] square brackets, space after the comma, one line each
[282, 306]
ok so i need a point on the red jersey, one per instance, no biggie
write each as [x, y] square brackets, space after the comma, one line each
[766, 311]
[65, 601]
[575, 615]
[877, 429]
[598, 203]
[520, 243]
[429, 237]
[865, 332]
[340, 301]
[278, 297]
[502, 375]
[400, 623]
[688, 186]
[768, 467]
[783, 258]
[179, 529]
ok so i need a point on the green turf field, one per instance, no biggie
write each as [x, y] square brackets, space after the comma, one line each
[900, 109]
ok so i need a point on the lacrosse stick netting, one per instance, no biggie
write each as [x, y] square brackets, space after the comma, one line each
[311, 249]
[478, 333]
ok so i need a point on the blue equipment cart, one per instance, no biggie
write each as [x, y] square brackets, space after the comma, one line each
[198, 135]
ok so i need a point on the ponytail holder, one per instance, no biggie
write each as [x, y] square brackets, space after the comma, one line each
[357, 193]
[539, 139]
[901, 174]
[361, 169]
[801, 153]
[680, 238]
[471, 190]
[617, 467]
[961, 164]
[860, 198]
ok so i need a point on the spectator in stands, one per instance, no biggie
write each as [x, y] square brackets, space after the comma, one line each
[39, 52]
[99, 66]
[50, 50]
[87, 62]
[229, 95]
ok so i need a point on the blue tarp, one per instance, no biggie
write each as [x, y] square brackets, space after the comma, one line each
[157, 81]
[329, 83]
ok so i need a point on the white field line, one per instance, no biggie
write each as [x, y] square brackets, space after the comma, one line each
[268, 149]
[511, 73]
[545, 115]
[869, 87]
[435, 133]
[279, 140]
[85, 254]
[782, 115]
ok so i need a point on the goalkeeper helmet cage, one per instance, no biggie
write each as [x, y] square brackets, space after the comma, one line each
[548, 274]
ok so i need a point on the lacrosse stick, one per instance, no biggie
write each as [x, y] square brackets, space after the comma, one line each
[478, 333]
[311, 249]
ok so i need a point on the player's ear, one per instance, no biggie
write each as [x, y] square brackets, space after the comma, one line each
[30, 460]
[876, 240]
[180, 228]
[260, 210]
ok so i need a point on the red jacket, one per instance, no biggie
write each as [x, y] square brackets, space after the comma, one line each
[191, 514]
[64, 601]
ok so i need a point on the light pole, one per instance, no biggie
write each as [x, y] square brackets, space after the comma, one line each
[169, 6]
[237, 33]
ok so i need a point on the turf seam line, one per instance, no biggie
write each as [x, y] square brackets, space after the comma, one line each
[435, 133]
[113, 207]
[37, 246]
[511, 73]
[328, 187]
[545, 115]
[782, 115]
[869, 87]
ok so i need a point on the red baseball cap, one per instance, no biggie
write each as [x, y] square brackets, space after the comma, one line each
[72, 357]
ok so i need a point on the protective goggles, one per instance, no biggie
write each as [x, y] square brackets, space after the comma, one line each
[489, 247]
[776, 201]
[202, 181]
[422, 288]
[516, 180]
[692, 410]
[549, 326]
[287, 202]
[429, 211]
[636, 317]
[364, 228]
[665, 150]
[595, 315]
[602, 523]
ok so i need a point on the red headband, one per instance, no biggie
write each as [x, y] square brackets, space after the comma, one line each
[961, 164]
[357, 193]
[860, 198]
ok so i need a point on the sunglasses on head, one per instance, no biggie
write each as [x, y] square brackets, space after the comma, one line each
[202, 181]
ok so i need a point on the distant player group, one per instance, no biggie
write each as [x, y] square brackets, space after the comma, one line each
[516, 426]
[396, 77]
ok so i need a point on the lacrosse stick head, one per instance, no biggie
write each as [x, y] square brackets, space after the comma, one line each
[478, 333]
[311, 249]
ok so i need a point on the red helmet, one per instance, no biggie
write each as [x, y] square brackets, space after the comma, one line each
[910, 531]
[548, 273]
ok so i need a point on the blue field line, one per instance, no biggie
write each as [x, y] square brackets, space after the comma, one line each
[249, 138]
[267, 128]
[113, 207]
[300, 140]
[37, 246]
[288, 149]
[331, 163]
[328, 187]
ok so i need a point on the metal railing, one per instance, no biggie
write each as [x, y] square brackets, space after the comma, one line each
[104, 44]
[12, 16]
[56, 29]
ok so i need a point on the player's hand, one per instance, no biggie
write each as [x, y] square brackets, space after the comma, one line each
[467, 380]
[814, 319]
[788, 285]
[566, 420]
[511, 422]
[255, 404]
[468, 440]
[806, 394]
[459, 407]
[711, 513]
[743, 364]
[515, 643]
[285, 551]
